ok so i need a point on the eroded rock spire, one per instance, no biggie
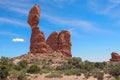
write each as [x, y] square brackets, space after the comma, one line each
[37, 41]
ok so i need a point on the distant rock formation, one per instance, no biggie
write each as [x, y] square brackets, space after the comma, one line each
[115, 56]
[59, 42]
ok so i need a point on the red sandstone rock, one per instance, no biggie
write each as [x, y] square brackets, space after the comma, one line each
[65, 42]
[60, 42]
[34, 16]
[56, 42]
[52, 41]
[37, 41]
[115, 56]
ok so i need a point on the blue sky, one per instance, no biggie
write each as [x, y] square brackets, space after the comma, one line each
[94, 26]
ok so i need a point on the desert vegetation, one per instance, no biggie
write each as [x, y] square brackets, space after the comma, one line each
[73, 66]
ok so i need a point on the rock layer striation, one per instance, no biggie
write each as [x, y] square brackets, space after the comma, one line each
[59, 42]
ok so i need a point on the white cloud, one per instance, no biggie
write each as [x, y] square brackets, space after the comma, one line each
[63, 1]
[72, 23]
[7, 33]
[20, 7]
[19, 10]
[109, 7]
[18, 40]
[13, 21]
[58, 3]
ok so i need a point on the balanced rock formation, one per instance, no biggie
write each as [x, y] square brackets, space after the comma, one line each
[37, 41]
[115, 56]
[56, 42]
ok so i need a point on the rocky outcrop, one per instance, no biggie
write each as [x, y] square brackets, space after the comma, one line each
[60, 42]
[52, 41]
[37, 41]
[65, 42]
[56, 42]
[115, 56]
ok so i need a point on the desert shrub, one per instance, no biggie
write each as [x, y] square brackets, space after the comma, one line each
[4, 67]
[47, 67]
[4, 71]
[75, 62]
[21, 65]
[63, 66]
[33, 69]
[45, 71]
[22, 76]
[88, 66]
[99, 75]
[16, 67]
[4, 60]
[87, 74]
[43, 61]
[54, 75]
[72, 72]
[50, 61]
[114, 69]
[114, 78]
[99, 65]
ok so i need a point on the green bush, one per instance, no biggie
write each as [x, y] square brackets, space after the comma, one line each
[22, 76]
[54, 75]
[99, 65]
[43, 61]
[87, 74]
[114, 70]
[45, 71]
[99, 75]
[4, 67]
[114, 78]
[89, 66]
[21, 65]
[33, 69]
[4, 71]
[72, 72]
[4, 60]
[47, 67]
[75, 62]
[63, 66]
